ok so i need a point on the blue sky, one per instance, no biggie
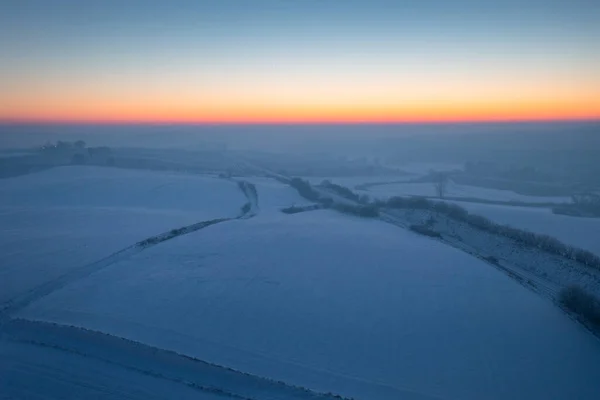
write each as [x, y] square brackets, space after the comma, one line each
[218, 52]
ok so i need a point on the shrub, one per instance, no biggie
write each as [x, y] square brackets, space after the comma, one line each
[342, 191]
[492, 259]
[291, 210]
[246, 208]
[370, 211]
[425, 230]
[577, 300]
[305, 189]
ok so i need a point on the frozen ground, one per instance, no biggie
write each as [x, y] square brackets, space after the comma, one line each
[579, 232]
[30, 371]
[48, 361]
[55, 220]
[456, 190]
[335, 303]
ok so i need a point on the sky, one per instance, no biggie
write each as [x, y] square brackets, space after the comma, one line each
[280, 61]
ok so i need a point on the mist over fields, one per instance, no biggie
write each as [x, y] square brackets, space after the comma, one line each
[292, 262]
[562, 151]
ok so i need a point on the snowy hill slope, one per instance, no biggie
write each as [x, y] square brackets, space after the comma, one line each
[72, 363]
[63, 218]
[335, 303]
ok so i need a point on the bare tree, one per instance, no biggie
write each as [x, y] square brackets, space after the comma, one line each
[441, 184]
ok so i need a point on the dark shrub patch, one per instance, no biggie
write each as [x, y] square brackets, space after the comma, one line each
[492, 259]
[585, 305]
[425, 230]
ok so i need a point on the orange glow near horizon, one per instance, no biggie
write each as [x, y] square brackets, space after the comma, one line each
[299, 62]
[424, 113]
[411, 96]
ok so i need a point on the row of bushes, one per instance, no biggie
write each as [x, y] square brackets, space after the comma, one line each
[346, 193]
[341, 190]
[305, 189]
[581, 303]
[526, 238]
[366, 211]
[296, 209]
[308, 192]
[249, 189]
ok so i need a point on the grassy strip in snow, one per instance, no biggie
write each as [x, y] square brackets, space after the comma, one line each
[526, 238]
[178, 232]
[306, 190]
[297, 209]
[520, 236]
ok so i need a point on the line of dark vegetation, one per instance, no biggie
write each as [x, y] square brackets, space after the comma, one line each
[299, 209]
[249, 189]
[178, 232]
[366, 211]
[520, 236]
[343, 191]
[542, 242]
[306, 190]
[246, 208]
[525, 238]
[583, 304]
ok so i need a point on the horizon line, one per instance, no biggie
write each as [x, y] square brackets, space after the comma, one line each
[159, 122]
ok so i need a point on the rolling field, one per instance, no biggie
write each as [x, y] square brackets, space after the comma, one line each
[63, 218]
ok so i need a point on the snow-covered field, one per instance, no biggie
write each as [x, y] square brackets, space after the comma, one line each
[339, 304]
[456, 190]
[317, 299]
[30, 371]
[55, 220]
[579, 232]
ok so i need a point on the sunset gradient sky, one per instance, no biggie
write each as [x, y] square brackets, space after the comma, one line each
[240, 61]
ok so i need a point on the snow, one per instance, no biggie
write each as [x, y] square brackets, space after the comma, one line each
[64, 375]
[340, 304]
[62, 218]
[579, 232]
[68, 362]
[457, 190]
